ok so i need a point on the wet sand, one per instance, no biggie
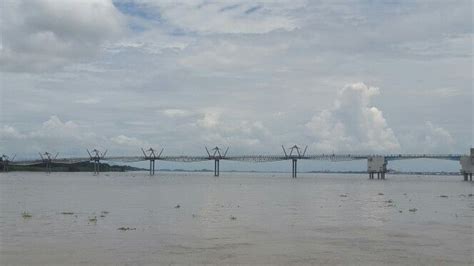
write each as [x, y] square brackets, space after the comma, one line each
[234, 219]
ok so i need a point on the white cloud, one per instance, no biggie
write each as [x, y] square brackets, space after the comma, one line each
[209, 120]
[129, 141]
[176, 113]
[210, 17]
[429, 138]
[352, 124]
[8, 132]
[89, 101]
[43, 34]
[205, 72]
[437, 138]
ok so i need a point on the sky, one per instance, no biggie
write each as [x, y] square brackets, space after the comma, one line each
[339, 76]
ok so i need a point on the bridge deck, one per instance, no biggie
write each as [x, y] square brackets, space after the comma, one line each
[246, 158]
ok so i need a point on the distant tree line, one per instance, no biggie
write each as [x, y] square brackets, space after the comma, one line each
[78, 167]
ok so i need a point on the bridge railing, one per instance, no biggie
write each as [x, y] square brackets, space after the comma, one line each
[247, 158]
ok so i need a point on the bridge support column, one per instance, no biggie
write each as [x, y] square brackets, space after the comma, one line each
[152, 167]
[96, 167]
[377, 164]
[5, 166]
[48, 167]
[467, 166]
[216, 167]
[294, 167]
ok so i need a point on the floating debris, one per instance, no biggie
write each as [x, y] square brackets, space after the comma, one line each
[93, 219]
[104, 212]
[232, 217]
[177, 206]
[343, 195]
[194, 215]
[400, 211]
[126, 228]
[381, 194]
[389, 201]
[102, 216]
[443, 196]
[470, 195]
[413, 209]
[26, 215]
[67, 213]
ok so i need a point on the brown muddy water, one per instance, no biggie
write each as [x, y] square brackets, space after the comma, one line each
[238, 218]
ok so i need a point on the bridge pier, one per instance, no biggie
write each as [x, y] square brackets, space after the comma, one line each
[467, 166]
[294, 169]
[152, 167]
[96, 167]
[467, 177]
[48, 167]
[216, 167]
[5, 166]
[151, 156]
[96, 159]
[376, 165]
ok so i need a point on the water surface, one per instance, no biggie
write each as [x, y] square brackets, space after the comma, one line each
[247, 218]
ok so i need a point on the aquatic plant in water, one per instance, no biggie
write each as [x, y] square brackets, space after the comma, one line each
[26, 215]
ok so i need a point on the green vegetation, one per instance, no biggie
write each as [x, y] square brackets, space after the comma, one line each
[26, 215]
[78, 167]
[126, 228]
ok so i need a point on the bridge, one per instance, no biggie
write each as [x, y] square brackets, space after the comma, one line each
[376, 164]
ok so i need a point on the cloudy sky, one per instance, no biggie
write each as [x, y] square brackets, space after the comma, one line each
[339, 76]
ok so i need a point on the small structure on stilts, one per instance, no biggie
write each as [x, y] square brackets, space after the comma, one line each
[467, 165]
[376, 165]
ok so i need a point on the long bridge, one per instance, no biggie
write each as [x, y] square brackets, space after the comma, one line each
[376, 164]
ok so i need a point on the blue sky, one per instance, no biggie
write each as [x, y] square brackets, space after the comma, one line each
[339, 76]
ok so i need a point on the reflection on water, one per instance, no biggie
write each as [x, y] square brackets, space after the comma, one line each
[236, 218]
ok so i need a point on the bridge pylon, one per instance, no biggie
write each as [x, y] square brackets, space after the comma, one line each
[47, 159]
[216, 155]
[5, 161]
[95, 156]
[151, 156]
[294, 154]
